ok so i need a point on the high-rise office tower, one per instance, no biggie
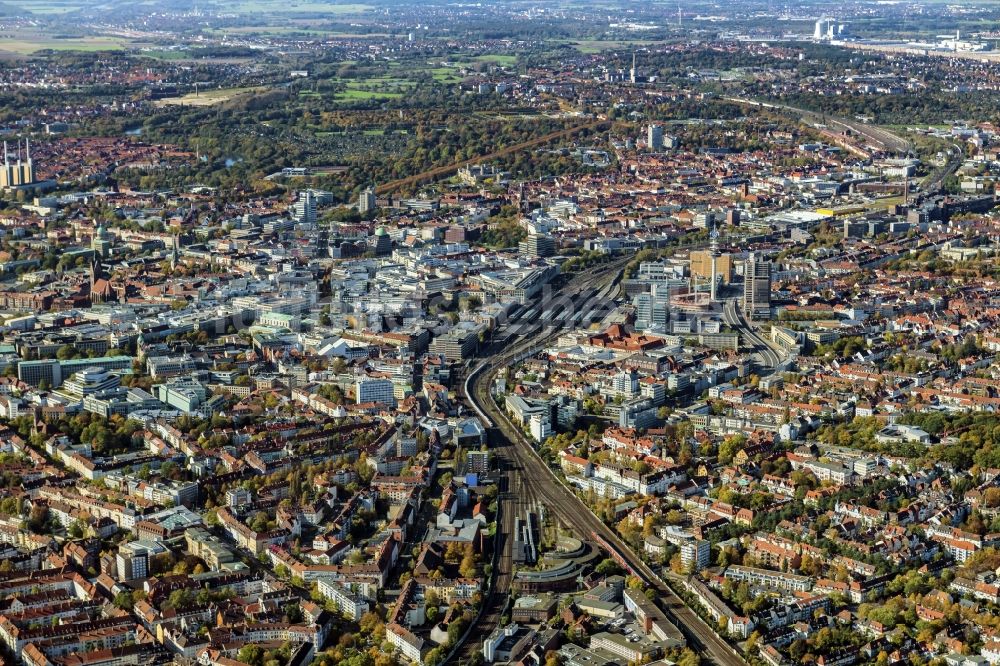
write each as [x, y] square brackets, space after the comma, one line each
[701, 266]
[654, 137]
[383, 242]
[653, 308]
[713, 252]
[304, 208]
[757, 286]
[366, 201]
[538, 245]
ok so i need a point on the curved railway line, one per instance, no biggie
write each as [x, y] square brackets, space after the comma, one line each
[878, 137]
[530, 482]
[518, 494]
[732, 316]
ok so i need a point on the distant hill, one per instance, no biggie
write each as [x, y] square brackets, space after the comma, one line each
[10, 10]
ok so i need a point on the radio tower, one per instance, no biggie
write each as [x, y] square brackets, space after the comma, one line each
[713, 252]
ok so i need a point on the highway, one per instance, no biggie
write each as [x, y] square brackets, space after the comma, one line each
[532, 483]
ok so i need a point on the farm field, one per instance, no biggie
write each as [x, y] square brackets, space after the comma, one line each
[25, 43]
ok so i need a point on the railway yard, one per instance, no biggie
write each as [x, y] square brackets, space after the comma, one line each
[529, 484]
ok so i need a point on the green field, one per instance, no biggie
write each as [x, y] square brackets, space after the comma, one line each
[27, 43]
[445, 75]
[378, 88]
[497, 58]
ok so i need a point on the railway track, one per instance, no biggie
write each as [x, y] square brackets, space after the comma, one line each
[533, 483]
[733, 317]
[517, 494]
[878, 137]
[935, 180]
[571, 513]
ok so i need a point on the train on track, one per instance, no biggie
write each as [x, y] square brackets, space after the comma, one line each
[615, 554]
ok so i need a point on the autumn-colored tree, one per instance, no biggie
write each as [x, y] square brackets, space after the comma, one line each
[468, 568]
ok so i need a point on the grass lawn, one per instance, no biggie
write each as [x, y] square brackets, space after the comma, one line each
[353, 94]
[445, 75]
[884, 203]
[379, 88]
